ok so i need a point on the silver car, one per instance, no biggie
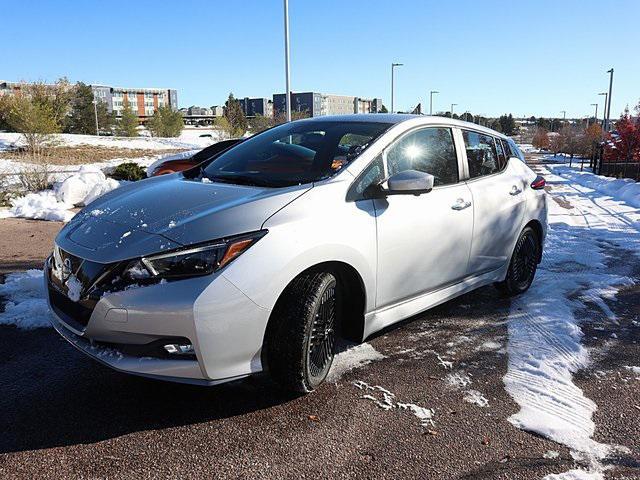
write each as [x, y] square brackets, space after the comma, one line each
[261, 257]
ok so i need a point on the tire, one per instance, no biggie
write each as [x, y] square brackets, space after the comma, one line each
[523, 264]
[301, 342]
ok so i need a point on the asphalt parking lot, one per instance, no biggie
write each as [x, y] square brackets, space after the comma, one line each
[65, 416]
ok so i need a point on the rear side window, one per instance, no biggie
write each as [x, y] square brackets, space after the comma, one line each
[481, 154]
[507, 149]
[515, 151]
[502, 157]
[430, 150]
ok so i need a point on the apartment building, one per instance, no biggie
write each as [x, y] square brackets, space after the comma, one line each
[256, 106]
[317, 104]
[143, 101]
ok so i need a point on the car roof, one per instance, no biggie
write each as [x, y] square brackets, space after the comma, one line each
[397, 118]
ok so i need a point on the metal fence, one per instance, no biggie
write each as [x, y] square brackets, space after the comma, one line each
[617, 169]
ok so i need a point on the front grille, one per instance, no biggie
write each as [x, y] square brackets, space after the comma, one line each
[91, 276]
[75, 314]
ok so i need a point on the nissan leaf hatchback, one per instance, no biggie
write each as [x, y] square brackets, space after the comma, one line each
[261, 257]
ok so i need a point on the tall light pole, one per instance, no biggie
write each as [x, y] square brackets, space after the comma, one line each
[606, 122]
[431, 101]
[604, 113]
[393, 66]
[596, 114]
[452, 105]
[286, 60]
[95, 111]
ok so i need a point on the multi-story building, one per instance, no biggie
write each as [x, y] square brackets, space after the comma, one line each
[256, 106]
[143, 101]
[316, 104]
[217, 110]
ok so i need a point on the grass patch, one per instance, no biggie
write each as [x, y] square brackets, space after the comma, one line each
[83, 154]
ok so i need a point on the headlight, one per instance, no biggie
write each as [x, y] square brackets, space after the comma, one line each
[191, 262]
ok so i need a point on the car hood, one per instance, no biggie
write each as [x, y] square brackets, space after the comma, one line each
[168, 212]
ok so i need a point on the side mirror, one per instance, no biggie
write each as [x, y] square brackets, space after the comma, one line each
[409, 182]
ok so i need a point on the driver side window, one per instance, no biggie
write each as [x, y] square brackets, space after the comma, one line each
[430, 150]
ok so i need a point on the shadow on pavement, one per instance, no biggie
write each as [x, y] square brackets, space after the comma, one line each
[54, 396]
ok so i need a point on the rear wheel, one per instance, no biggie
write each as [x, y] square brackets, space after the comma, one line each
[523, 265]
[301, 343]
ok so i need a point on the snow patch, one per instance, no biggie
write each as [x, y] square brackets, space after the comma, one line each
[544, 343]
[25, 306]
[79, 189]
[386, 400]
[476, 398]
[75, 288]
[575, 475]
[458, 380]
[352, 358]
[40, 206]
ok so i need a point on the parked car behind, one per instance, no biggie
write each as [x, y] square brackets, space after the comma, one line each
[186, 160]
[261, 257]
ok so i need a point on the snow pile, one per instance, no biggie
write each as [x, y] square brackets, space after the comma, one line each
[80, 189]
[40, 206]
[544, 335]
[85, 186]
[623, 189]
[25, 305]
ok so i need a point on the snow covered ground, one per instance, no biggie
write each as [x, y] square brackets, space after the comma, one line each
[188, 139]
[544, 345]
[78, 185]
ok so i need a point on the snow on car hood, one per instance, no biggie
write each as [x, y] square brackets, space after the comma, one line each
[167, 212]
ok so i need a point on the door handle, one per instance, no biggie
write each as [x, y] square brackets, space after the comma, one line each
[515, 190]
[461, 204]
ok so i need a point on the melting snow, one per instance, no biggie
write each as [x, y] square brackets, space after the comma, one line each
[75, 288]
[352, 358]
[476, 398]
[544, 335]
[79, 189]
[386, 400]
[25, 305]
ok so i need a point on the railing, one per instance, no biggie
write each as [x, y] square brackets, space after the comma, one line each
[615, 168]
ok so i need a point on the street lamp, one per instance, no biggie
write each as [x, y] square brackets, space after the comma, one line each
[604, 114]
[95, 111]
[452, 105]
[286, 60]
[596, 114]
[431, 101]
[393, 65]
[606, 122]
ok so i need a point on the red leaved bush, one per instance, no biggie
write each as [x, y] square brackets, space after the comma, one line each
[624, 144]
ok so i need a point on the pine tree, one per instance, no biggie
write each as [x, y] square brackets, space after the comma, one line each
[82, 118]
[235, 116]
[507, 124]
[383, 109]
[128, 124]
[165, 122]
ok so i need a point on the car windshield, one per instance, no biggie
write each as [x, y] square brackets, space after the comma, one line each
[294, 153]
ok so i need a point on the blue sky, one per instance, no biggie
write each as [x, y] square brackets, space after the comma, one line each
[525, 57]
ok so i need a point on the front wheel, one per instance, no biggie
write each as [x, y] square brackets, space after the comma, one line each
[523, 265]
[301, 344]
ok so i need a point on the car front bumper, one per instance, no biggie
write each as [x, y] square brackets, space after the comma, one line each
[224, 326]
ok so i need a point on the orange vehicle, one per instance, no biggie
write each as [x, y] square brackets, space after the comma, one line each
[178, 163]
